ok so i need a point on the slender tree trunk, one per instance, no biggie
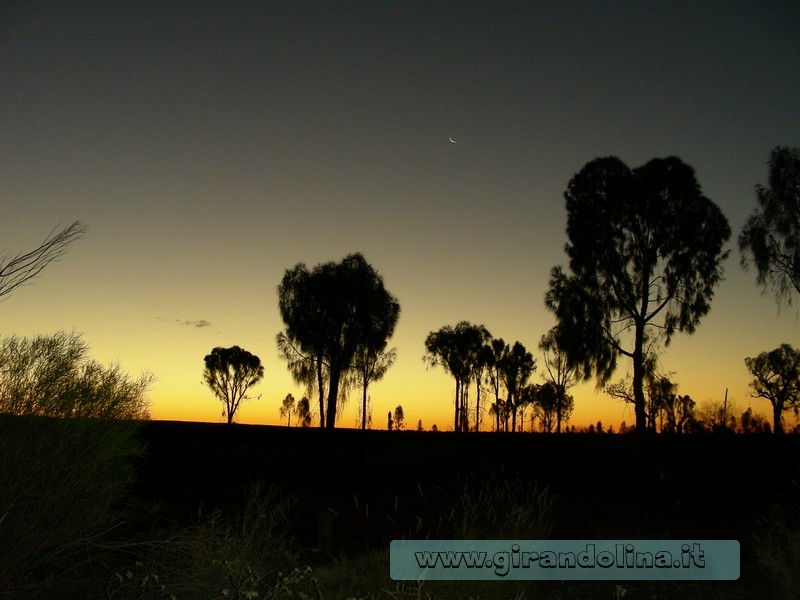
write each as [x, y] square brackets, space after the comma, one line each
[478, 406]
[333, 394]
[456, 420]
[560, 403]
[777, 411]
[364, 408]
[321, 393]
[465, 405]
[513, 400]
[638, 379]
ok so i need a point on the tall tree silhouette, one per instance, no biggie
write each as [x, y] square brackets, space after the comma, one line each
[493, 355]
[483, 361]
[230, 372]
[771, 236]
[370, 365]
[288, 408]
[776, 377]
[23, 267]
[331, 312]
[309, 370]
[457, 349]
[516, 367]
[304, 412]
[559, 371]
[645, 250]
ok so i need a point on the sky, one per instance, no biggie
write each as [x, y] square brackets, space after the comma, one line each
[210, 146]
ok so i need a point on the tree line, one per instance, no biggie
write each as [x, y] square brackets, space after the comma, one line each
[646, 252]
[645, 255]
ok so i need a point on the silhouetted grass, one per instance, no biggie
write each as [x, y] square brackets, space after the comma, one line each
[62, 490]
[244, 556]
[65, 490]
[776, 544]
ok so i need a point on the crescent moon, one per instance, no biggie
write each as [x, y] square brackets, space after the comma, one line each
[452, 141]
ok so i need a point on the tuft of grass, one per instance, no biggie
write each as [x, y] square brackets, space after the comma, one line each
[243, 557]
[63, 485]
[496, 506]
[777, 549]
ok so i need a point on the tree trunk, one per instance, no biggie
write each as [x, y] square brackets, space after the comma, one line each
[333, 394]
[364, 408]
[321, 393]
[638, 379]
[513, 400]
[456, 420]
[478, 407]
[560, 399]
[777, 411]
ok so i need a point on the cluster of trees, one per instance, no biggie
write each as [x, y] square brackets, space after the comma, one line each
[645, 255]
[339, 318]
[472, 356]
[646, 252]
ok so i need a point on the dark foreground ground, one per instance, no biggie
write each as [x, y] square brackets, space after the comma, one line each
[377, 485]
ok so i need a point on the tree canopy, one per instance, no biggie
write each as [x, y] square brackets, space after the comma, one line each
[645, 254]
[770, 238]
[330, 313]
[776, 377]
[230, 372]
[457, 349]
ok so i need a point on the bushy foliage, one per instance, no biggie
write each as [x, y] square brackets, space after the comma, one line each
[52, 376]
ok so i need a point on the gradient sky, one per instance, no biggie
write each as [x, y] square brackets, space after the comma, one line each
[210, 146]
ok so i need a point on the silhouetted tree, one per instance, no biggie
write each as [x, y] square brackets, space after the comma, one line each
[754, 423]
[399, 418]
[548, 403]
[53, 376]
[492, 354]
[230, 372]
[661, 400]
[390, 421]
[360, 414]
[287, 409]
[308, 370]
[20, 269]
[304, 412]
[457, 349]
[776, 377]
[771, 236]
[545, 400]
[371, 365]
[419, 426]
[332, 312]
[560, 372]
[516, 367]
[715, 416]
[643, 243]
[482, 362]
